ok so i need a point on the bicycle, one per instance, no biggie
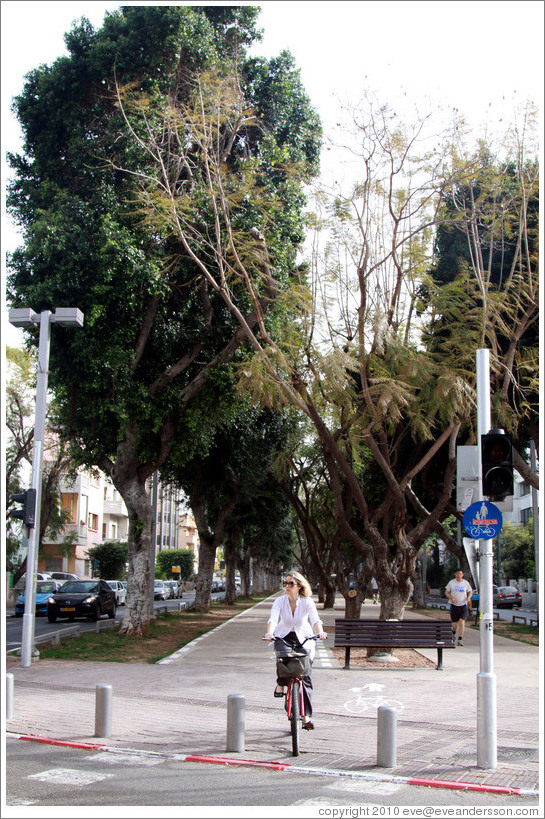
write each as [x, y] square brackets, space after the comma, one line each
[292, 666]
[362, 703]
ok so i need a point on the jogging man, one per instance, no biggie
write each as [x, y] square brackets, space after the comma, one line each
[458, 592]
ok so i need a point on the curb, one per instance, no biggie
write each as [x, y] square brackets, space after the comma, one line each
[287, 766]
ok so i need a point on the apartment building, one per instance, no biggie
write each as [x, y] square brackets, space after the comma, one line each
[522, 503]
[188, 537]
[95, 513]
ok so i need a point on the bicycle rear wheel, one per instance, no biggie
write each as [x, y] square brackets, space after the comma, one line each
[295, 716]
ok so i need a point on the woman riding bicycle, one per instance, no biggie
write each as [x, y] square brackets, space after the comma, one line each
[293, 618]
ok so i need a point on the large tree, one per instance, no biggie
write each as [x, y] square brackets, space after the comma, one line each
[157, 158]
[386, 395]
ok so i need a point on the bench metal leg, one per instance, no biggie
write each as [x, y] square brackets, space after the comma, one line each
[439, 659]
[347, 657]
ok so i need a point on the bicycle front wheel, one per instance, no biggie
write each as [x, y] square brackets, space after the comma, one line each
[295, 716]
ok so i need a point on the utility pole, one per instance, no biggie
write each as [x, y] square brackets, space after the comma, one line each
[535, 514]
[486, 679]
[153, 547]
[26, 317]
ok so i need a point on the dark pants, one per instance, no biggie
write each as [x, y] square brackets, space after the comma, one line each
[290, 641]
[458, 613]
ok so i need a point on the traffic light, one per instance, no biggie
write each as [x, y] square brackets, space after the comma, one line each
[28, 511]
[497, 464]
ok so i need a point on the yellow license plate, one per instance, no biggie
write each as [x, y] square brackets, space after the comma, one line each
[69, 608]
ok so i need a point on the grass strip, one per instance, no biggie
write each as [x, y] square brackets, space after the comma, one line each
[168, 632]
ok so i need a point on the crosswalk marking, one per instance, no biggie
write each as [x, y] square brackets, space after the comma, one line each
[383, 788]
[323, 656]
[118, 759]
[69, 776]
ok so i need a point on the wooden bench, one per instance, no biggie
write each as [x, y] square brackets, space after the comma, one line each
[393, 634]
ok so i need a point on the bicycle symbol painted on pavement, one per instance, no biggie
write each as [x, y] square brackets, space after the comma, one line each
[361, 702]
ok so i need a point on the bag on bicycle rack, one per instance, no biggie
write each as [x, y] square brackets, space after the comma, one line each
[293, 665]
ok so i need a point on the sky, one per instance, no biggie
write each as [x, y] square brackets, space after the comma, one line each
[479, 57]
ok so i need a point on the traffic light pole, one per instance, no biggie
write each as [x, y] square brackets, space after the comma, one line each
[486, 679]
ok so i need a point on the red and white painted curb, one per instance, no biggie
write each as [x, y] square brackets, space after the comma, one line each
[287, 766]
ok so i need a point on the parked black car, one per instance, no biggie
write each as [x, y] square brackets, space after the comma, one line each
[82, 598]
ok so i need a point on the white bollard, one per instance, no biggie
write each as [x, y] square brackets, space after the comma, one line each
[386, 736]
[9, 695]
[235, 722]
[103, 711]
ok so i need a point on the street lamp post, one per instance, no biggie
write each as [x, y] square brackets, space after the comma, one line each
[26, 317]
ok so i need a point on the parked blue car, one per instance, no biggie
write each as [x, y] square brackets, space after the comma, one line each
[44, 590]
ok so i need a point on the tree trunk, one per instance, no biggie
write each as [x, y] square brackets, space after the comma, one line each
[352, 604]
[230, 554]
[137, 609]
[244, 568]
[419, 596]
[329, 597]
[393, 599]
[230, 587]
[259, 584]
[211, 534]
[203, 582]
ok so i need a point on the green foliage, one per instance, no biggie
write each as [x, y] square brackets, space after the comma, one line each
[166, 558]
[111, 557]
[483, 286]
[95, 238]
[518, 551]
[154, 154]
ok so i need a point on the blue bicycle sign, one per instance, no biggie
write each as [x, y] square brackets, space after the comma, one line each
[482, 520]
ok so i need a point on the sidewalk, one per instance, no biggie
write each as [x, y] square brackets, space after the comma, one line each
[179, 707]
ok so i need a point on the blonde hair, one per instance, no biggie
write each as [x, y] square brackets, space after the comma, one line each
[305, 590]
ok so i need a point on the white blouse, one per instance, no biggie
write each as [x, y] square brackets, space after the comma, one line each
[300, 621]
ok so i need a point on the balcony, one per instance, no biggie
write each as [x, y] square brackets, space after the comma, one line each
[116, 508]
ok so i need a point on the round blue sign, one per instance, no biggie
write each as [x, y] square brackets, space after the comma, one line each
[482, 520]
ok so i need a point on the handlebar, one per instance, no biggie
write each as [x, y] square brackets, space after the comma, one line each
[314, 637]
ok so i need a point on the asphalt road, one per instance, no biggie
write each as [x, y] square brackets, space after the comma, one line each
[14, 625]
[48, 775]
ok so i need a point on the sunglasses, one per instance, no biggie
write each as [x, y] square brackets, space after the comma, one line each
[290, 583]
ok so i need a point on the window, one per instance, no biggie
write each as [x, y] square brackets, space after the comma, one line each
[524, 489]
[83, 510]
[69, 504]
[525, 515]
[93, 522]
[53, 564]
